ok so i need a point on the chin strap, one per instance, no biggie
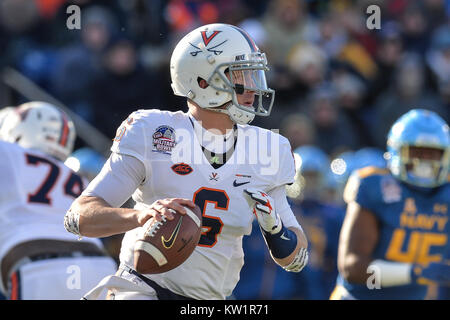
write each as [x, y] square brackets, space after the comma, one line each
[236, 115]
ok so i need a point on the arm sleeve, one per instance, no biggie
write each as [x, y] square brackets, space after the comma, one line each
[283, 208]
[119, 178]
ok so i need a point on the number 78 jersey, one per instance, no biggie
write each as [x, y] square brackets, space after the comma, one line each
[176, 167]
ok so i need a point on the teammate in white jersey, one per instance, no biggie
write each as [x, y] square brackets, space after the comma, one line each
[208, 156]
[38, 258]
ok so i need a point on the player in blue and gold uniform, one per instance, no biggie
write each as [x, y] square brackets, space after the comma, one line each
[396, 233]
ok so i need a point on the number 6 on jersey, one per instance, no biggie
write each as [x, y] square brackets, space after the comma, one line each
[212, 226]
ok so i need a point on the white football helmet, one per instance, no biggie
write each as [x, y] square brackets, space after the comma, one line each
[3, 113]
[42, 126]
[230, 62]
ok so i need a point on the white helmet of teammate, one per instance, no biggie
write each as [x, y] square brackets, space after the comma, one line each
[230, 62]
[3, 113]
[42, 126]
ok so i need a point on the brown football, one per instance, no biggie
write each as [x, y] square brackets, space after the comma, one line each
[165, 245]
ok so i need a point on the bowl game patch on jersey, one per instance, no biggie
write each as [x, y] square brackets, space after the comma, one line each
[164, 139]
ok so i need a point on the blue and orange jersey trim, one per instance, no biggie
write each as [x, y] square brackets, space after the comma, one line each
[15, 286]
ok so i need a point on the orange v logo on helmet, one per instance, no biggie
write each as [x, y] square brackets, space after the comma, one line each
[206, 39]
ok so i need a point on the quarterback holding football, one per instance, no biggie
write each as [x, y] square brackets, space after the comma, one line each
[208, 158]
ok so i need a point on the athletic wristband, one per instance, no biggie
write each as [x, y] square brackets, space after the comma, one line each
[282, 243]
[299, 262]
[71, 223]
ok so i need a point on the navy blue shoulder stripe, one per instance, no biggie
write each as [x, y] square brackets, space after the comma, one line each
[250, 41]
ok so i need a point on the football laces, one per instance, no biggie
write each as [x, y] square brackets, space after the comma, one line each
[154, 226]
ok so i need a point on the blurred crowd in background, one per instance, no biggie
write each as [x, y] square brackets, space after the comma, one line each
[338, 84]
[339, 87]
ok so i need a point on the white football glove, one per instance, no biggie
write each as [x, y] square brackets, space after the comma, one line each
[262, 206]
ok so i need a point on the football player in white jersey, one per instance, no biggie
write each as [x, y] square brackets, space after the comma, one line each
[38, 260]
[208, 156]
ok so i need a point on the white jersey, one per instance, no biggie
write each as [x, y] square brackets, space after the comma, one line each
[35, 192]
[175, 166]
